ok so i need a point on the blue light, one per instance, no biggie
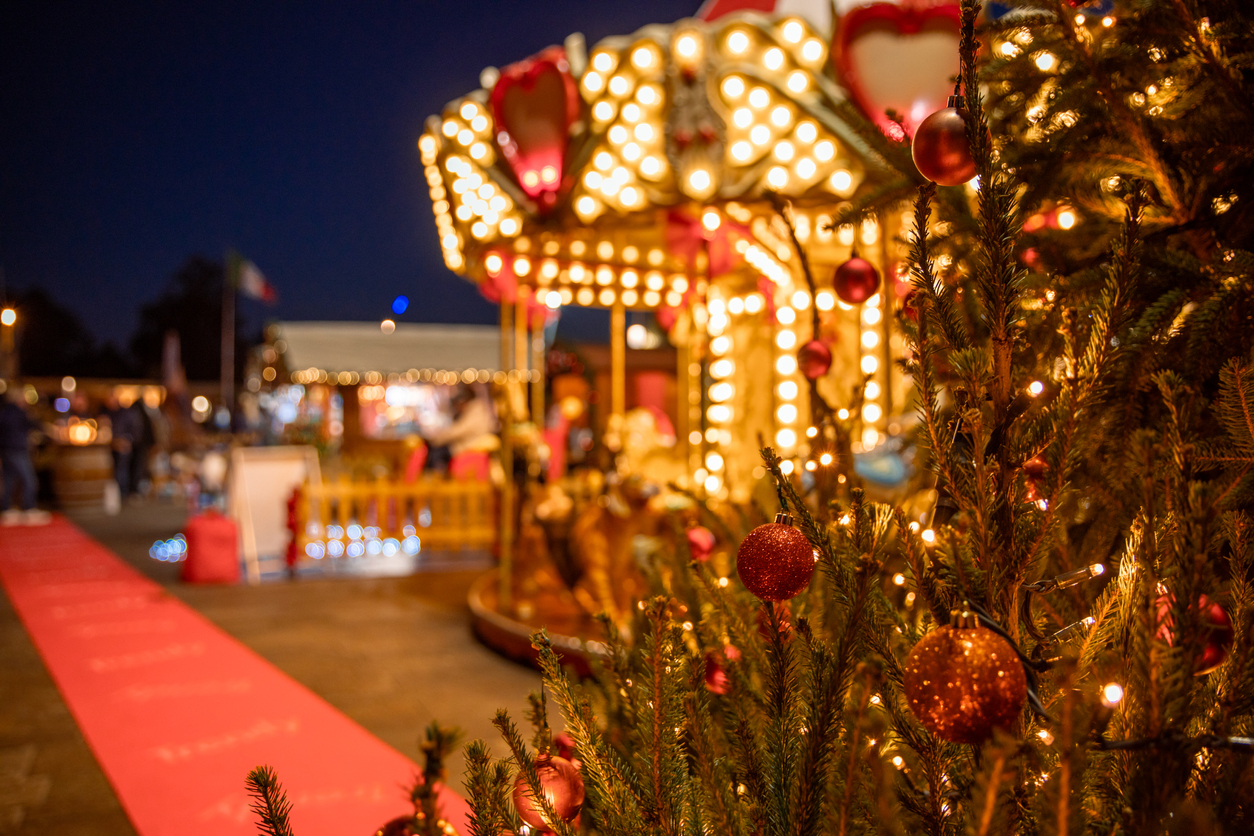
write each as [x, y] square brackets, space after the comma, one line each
[400, 304]
[62, 404]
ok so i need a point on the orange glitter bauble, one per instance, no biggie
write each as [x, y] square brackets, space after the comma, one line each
[963, 682]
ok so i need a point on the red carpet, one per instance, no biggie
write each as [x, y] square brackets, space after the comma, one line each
[177, 711]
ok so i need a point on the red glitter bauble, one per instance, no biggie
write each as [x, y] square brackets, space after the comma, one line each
[856, 281]
[814, 359]
[940, 148]
[962, 682]
[1034, 472]
[700, 543]
[1215, 621]
[716, 681]
[399, 826]
[775, 561]
[561, 784]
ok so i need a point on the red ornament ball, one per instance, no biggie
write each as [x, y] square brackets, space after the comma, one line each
[716, 681]
[700, 543]
[399, 826]
[775, 561]
[561, 784]
[856, 281]
[963, 682]
[940, 148]
[814, 359]
[1034, 471]
[1215, 621]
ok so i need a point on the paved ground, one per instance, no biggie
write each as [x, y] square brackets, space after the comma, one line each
[391, 653]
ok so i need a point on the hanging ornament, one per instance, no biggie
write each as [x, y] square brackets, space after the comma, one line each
[940, 149]
[399, 826]
[700, 543]
[1214, 619]
[856, 281]
[964, 680]
[561, 784]
[716, 678]
[1034, 471]
[783, 614]
[814, 359]
[775, 561]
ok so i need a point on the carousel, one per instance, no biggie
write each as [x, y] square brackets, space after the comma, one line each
[695, 170]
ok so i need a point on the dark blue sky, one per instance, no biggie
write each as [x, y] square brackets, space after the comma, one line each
[136, 134]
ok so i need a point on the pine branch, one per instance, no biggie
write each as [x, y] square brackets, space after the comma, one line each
[270, 804]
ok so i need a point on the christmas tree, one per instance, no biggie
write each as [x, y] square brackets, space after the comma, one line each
[1061, 643]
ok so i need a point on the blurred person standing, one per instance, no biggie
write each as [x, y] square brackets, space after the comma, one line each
[471, 438]
[128, 431]
[16, 427]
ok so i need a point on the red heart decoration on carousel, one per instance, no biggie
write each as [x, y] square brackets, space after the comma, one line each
[534, 103]
[899, 57]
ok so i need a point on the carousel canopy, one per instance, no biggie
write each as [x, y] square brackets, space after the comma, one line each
[360, 348]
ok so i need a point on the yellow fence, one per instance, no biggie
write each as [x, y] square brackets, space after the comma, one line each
[441, 514]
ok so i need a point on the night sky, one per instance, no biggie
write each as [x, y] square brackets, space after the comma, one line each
[137, 134]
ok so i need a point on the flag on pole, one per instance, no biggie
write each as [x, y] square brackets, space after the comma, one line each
[252, 283]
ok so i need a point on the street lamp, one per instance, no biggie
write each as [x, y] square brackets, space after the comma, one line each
[8, 316]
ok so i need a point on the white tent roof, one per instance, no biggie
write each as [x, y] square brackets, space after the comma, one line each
[362, 347]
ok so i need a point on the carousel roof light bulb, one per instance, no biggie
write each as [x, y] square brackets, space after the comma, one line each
[713, 461]
[711, 220]
[722, 391]
[686, 46]
[773, 59]
[593, 81]
[760, 135]
[733, 87]
[787, 413]
[603, 161]
[786, 467]
[797, 81]
[777, 177]
[735, 305]
[786, 438]
[720, 345]
[741, 151]
[643, 131]
[781, 117]
[824, 300]
[786, 364]
[479, 229]
[603, 61]
[784, 150]
[811, 466]
[812, 50]
[806, 168]
[1108, 21]
[699, 179]
[619, 85]
[742, 117]
[871, 413]
[841, 180]
[449, 129]
[872, 390]
[618, 134]
[493, 263]
[787, 391]
[603, 111]
[785, 315]
[631, 112]
[479, 123]
[807, 132]
[465, 136]
[759, 98]
[793, 31]
[754, 303]
[631, 152]
[737, 42]
[869, 364]
[522, 266]
[553, 300]
[870, 339]
[642, 57]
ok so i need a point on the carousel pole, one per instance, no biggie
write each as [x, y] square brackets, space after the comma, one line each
[888, 290]
[693, 375]
[683, 400]
[537, 380]
[521, 354]
[618, 363]
[507, 462]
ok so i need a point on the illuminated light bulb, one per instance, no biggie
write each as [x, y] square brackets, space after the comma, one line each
[742, 117]
[786, 316]
[797, 81]
[722, 368]
[786, 438]
[493, 264]
[759, 98]
[741, 151]
[1108, 21]
[594, 82]
[631, 112]
[585, 296]
[577, 272]
[479, 230]
[711, 220]
[609, 187]
[674, 299]
[777, 177]
[825, 459]
[619, 85]
[449, 241]
[603, 161]
[549, 268]
[1112, 694]
[841, 180]
[586, 205]
[1046, 61]
[824, 300]
[607, 297]
[449, 129]
[630, 196]
[530, 179]
[699, 180]
[686, 46]
[593, 179]
[754, 303]
[1035, 388]
[786, 413]
[733, 87]
[427, 145]
[1008, 49]
[1046, 737]
[522, 266]
[643, 57]
[630, 297]
[869, 364]
[793, 31]
[463, 212]
[630, 278]
[643, 131]
[760, 135]
[812, 50]
[479, 123]
[1066, 218]
[680, 284]
[928, 535]
[780, 117]
[712, 484]
[650, 166]
[737, 42]
[719, 413]
[720, 346]
[805, 168]
[722, 391]
[490, 218]
[843, 414]
[811, 466]
[465, 137]
[604, 276]
[603, 61]
[716, 306]
[784, 150]
[631, 152]
[807, 132]
[773, 59]
[553, 300]
[870, 316]
[872, 390]
[870, 339]
[735, 305]
[788, 390]
[387, 326]
[786, 467]
[618, 134]
[647, 95]
[871, 413]
[654, 281]
[486, 191]
[652, 298]
[713, 461]
[497, 204]
[786, 364]
[603, 111]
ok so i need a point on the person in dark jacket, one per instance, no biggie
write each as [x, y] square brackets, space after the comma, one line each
[18, 471]
[128, 431]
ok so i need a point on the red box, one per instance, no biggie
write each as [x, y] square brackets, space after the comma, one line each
[212, 549]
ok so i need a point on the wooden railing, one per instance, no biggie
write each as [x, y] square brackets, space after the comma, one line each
[442, 514]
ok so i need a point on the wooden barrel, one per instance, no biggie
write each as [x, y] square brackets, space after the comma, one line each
[80, 475]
